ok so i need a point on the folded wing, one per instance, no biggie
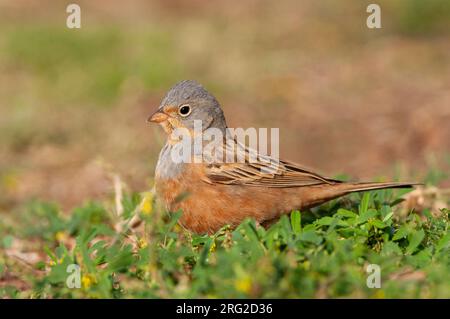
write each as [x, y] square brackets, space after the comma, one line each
[253, 169]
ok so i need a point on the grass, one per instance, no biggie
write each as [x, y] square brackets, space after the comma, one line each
[315, 254]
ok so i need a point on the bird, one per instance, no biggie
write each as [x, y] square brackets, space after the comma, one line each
[213, 193]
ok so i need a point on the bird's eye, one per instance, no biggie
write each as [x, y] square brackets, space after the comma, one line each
[184, 110]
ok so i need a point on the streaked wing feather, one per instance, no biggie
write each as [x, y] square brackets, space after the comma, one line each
[262, 172]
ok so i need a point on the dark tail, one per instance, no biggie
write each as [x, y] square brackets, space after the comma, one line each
[361, 187]
[326, 192]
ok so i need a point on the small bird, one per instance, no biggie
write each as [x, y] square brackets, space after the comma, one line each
[212, 194]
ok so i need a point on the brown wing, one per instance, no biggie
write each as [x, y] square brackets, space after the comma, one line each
[256, 170]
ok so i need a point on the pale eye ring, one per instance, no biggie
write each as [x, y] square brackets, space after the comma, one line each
[184, 110]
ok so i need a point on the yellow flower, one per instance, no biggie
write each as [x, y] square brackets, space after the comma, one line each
[142, 243]
[87, 281]
[213, 247]
[60, 236]
[243, 284]
[147, 204]
[177, 228]
[53, 263]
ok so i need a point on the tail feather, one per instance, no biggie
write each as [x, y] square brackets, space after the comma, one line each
[322, 193]
[368, 186]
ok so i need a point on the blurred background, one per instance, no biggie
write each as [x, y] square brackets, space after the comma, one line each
[371, 103]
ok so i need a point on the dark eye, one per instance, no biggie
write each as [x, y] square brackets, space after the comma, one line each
[184, 110]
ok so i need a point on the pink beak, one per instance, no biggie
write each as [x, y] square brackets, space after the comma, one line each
[158, 117]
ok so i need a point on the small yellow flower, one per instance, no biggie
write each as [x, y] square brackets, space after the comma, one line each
[177, 228]
[60, 236]
[147, 204]
[87, 281]
[53, 263]
[142, 243]
[243, 284]
[213, 247]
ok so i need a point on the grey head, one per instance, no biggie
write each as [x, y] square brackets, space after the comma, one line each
[186, 102]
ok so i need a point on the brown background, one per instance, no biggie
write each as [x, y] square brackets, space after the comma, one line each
[347, 99]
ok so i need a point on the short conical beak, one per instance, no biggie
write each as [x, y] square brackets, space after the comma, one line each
[158, 117]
